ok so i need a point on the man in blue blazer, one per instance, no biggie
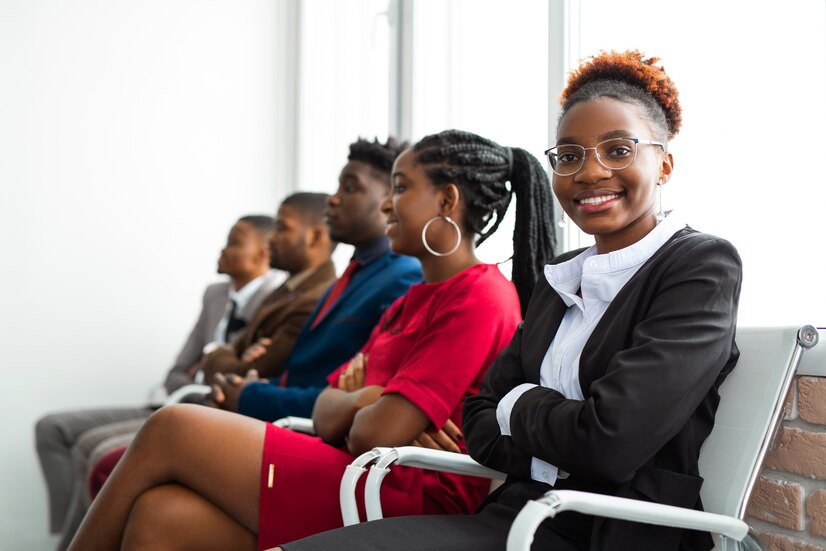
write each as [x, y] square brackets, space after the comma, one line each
[348, 311]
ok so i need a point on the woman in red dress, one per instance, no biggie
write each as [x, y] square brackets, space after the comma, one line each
[196, 478]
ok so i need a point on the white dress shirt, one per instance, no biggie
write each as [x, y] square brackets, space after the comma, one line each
[598, 278]
[241, 297]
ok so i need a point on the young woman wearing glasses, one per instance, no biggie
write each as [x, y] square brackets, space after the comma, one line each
[610, 384]
[203, 479]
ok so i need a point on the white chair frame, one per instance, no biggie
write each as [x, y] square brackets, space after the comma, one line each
[187, 390]
[751, 407]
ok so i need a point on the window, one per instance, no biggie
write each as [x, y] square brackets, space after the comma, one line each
[751, 80]
[481, 66]
[344, 84]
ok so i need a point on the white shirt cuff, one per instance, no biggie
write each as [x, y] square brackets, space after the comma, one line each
[505, 406]
[542, 471]
[210, 347]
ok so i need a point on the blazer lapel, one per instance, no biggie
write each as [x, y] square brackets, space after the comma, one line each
[260, 296]
[361, 277]
[539, 333]
[278, 298]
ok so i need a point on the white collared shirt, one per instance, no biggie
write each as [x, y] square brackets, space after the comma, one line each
[598, 278]
[241, 297]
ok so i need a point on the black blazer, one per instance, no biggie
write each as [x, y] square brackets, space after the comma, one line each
[649, 375]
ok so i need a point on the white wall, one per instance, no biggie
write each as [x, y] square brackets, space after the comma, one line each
[132, 135]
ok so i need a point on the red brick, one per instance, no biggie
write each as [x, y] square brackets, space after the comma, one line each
[789, 405]
[811, 399]
[799, 451]
[816, 512]
[778, 502]
[777, 542]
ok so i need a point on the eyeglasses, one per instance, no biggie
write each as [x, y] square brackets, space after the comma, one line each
[613, 154]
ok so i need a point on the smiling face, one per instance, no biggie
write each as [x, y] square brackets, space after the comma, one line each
[414, 200]
[617, 207]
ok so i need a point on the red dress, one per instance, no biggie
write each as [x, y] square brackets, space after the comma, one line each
[432, 346]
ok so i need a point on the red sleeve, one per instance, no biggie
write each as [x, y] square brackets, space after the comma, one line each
[332, 378]
[466, 330]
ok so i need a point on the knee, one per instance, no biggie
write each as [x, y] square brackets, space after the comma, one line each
[47, 432]
[168, 421]
[168, 429]
[154, 521]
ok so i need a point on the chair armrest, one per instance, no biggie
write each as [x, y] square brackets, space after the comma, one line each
[296, 424]
[533, 513]
[351, 476]
[438, 460]
[423, 458]
[187, 390]
[156, 395]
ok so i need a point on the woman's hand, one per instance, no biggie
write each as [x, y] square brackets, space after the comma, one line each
[255, 350]
[444, 439]
[352, 378]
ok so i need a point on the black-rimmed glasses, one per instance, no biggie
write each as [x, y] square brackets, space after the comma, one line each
[613, 154]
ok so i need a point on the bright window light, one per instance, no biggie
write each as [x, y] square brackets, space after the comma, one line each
[480, 65]
[752, 78]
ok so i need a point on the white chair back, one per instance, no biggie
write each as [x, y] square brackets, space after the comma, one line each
[752, 400]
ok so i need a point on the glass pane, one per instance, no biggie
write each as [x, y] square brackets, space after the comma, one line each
[481, 66]
[345, 84]
[755, 74]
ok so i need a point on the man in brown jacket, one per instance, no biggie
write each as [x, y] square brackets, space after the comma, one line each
[300, 244]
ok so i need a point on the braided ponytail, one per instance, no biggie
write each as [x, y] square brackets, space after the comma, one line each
[534, 239]
[481, 169]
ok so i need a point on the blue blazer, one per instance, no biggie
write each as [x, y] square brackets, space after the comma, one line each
[336, 339]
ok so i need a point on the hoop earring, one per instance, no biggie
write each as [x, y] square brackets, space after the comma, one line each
[660, 213]
[450, 221]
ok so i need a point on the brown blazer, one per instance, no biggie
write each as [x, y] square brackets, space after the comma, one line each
[279, 318]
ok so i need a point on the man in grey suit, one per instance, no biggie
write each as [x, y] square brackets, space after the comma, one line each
[230, 305]
[227, 307]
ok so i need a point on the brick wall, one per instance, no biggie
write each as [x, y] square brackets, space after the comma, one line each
[788, 505]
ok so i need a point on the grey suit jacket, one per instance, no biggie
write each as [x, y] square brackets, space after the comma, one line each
[216, 297]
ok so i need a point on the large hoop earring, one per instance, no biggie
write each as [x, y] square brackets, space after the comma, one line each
[450, 221]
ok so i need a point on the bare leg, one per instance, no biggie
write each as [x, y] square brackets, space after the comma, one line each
[174, 518]
[213, 453]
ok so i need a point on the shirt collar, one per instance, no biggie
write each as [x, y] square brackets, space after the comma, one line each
[367, 254]
[297, 279]
[612, 270]
[243, 295]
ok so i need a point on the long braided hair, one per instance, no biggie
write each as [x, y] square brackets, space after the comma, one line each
[482, 169]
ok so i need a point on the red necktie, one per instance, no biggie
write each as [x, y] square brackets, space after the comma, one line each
[338, 288]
